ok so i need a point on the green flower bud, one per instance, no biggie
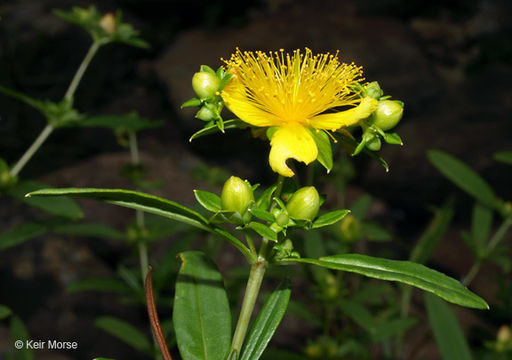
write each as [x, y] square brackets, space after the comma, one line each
[304, 204]
[372, 141]
[373, 90]
[205, 84]
[236, 195]
[282, 219]
[388, 114]
[205, 114]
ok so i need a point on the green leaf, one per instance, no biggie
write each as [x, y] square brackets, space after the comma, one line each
[503, 156]
[4, 312]
[134, 200]
[359, 313]
[267, 322]
[201, 314]
[89, 229]
[99, 284]
[374, 232]
[192, 102]
[56, 206]
[370, 153]
[463, 176]
[391, 328]
[22, 97]
[228, 124]
[433, 234]
[447, 332]
[261, 214]
[263, 230]
[208, 200]
[359, 207]
[393, 139]
[481, 225]
[20, 234]
[402, 271]
[323, 143]
[329, 218]
[124, 332]
[19, 331]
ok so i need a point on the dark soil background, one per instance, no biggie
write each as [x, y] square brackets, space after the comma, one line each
[449, 61]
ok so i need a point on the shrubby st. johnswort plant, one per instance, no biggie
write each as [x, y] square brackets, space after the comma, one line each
[302, 103]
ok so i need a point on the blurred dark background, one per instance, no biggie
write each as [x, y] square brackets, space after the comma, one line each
[449, 61]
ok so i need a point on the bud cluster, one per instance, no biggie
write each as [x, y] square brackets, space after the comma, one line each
[207, 85]
[387, 115]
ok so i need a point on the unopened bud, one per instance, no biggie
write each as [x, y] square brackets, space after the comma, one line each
[205, 114]
[236, 195]
[304, 204]
[108, 23]
[388, 114]
[373, 90]
[205, 84]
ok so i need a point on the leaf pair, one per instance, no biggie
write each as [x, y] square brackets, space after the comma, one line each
[202, 318]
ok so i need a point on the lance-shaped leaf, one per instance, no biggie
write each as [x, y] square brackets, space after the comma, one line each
[212, 129]
[148, 203]
[267, 321]
[324, 148]
[463, 176]
[131, 199]
[20, 234]
[449, 337]
[201, 314]
[56, 206]
[402, 271]
[329, 218]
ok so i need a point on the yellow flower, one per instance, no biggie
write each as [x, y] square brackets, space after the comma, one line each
[294, 92]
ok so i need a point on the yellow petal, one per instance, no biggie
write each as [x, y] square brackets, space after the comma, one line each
[291, 141]
[240, 103]
[345, 118]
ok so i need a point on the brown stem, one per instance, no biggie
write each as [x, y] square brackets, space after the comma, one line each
[153, 317]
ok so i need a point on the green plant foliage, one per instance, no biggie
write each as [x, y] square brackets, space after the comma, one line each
[201, 314]
[267, 322]
[447, 332]
[323, 144]
[56, 206]
[329, 218]
[124, 332]
[19, 332]
[463, 176]
[4, 312]
[402, 271]
[20, 234]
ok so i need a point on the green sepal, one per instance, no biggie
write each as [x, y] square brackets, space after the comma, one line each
[261, 214]
[191, 102]
[271, 131]
[224, 81]
[393, 139]
[329, 218]
[263, 230]
[213, 128]
[206, 68]
[323, 143]
[372, 154]
[265, 199]
[208, 200]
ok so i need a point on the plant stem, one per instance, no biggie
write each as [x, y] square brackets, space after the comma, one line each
[251, 294]
[491, 245]
[31, 150]
[49, 128]
[253, 284]
[139, 214]
[81, 70]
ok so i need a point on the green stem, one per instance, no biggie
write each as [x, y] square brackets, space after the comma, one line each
[81, 70]
[498, 236]
[139, 214]
[251, 294]
[253, 285]
[49, 128]
[31, 150]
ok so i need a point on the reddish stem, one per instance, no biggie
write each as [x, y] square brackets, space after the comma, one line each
[153, 317]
